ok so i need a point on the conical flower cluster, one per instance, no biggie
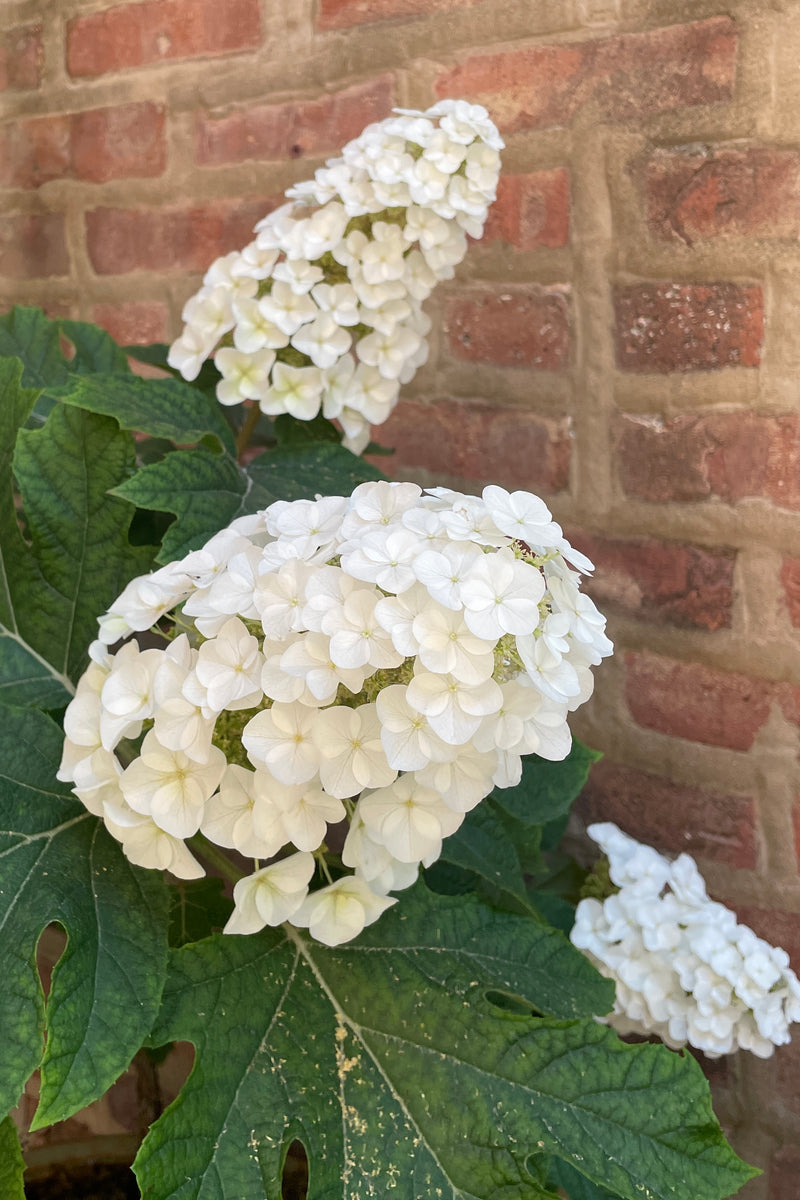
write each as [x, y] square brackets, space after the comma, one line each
[382, 659]
[323, 310]
[684, 968]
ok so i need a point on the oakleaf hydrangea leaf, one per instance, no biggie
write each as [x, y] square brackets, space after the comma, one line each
[76, 558]
[57, 863]
[163, 408]
[386, 1059]
[207, 491]
[11, 1162]
[483, 846]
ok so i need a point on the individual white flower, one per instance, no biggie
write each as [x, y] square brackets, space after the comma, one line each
[322, 340]
[272, 895]
[254, 330]
[357, 637]
[338, 913]
[294, 390]
[243, 816]
[170, 787]
[351, 753]
[280, 739]
[229, 668]
[306, 810]
[501, 595]
[409, 819]
[454, 709]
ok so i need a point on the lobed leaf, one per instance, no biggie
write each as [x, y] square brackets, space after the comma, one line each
[386, 1059]
[163, 408]
[57, 863]
[207, 491]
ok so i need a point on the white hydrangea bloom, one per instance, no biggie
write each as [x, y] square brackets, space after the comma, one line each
[343, 269]
[684, 968]
[360, 659]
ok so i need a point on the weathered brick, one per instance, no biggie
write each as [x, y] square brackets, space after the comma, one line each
[730, 455]
[340, 14]
[132, 35]
[33, 245]
[161, 239]
[123, 142]
[706, 192]
[621, 77]
[519, 326]
[479, 443]
[788, 1087]
[531, 210]
[666, 327]
[690, 700]
[133, 322]
[790, 578]
[784, 1171]
[21, 57]
[281, 131]
[666, 582]
[671, 816]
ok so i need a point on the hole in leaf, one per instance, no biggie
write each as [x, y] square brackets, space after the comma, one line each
[173, 1065]
[294, 1182]
[49, 948]
[509, 1002]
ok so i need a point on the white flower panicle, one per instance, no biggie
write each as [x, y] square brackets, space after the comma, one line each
[322, 311]
[684, 968]
[382, 659]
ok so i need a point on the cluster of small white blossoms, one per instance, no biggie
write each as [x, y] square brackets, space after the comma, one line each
[323, 310]
[684, 968]
[383, 658]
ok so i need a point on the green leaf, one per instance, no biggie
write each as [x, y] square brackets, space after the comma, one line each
[207, 491]
[57, 863]
[155, 355]
[198, 908]
[163, 408]
[79, 558]
[95, 350]
[483, 846]
[11, 1162]
[289, 431]
[27, 334]
[547, 789]
[385, 1058]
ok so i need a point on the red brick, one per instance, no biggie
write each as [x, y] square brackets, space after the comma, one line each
[132, 35]
[340, 14]
[516, 327]
[666, 327]
[479, 443]
[104, 143]
[531, 210]
[135, 322]
[664, 582]
[673, 817]
[784, 1172]
[621, 77]
[21, 57]
[788, 1086]
[33, 245]
[796, 826]
[161, 239]
[280, 131]
[690, 700]
[790, 578]
[729, 455]
[706, 193]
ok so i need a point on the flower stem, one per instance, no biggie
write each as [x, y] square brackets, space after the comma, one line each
[245, 433]
[207, 850]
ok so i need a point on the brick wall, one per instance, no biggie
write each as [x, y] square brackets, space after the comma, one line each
[624, 340]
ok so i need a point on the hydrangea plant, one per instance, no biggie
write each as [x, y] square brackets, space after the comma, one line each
[252, 688]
